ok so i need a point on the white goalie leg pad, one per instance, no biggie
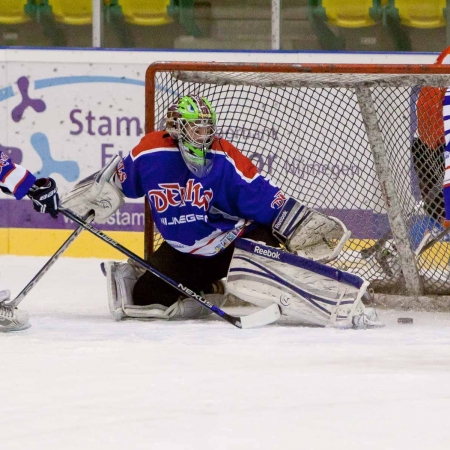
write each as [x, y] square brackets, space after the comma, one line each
[309, 233]
[120, 279]
[98, 192]
[307, 290]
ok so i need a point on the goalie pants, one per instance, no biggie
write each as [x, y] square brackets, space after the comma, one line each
[195, 272]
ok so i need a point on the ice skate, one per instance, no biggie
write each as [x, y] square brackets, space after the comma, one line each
[367, 319]
[12, 319]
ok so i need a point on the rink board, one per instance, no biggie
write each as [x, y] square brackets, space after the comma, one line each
[44, 242]
[433, 259]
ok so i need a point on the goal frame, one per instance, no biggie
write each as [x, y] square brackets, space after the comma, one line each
[431, 71]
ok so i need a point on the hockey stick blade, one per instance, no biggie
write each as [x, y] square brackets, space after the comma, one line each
[24, 292]
[261, 318]
[265, 316]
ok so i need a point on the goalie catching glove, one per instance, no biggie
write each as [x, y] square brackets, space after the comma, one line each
[309, 233]
[98, 192]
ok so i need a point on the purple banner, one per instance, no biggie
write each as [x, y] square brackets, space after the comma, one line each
[20, 214]
[364, 224]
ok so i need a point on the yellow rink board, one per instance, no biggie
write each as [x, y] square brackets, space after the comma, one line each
[436, 256]
[45, 242]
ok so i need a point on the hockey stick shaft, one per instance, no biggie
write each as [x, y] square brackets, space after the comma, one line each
[379, 244]
[433, 241]
[264, 317]
[24, 292]
[365, 253]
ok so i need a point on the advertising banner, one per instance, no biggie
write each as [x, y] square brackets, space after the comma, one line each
[65, 114]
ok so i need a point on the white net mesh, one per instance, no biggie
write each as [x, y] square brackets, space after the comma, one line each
[306, 132]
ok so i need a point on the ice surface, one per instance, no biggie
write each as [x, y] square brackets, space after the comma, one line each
[79, 380]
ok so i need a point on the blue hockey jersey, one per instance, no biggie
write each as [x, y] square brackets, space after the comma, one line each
[14, 177]
[195, 215]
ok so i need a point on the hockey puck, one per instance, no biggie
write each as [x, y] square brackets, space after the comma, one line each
[405, 320]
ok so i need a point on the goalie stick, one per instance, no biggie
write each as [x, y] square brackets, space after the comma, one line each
[377, 249]
[263, 317]
[367, 252]
[433, 241]
[24, 292]
[423, 246]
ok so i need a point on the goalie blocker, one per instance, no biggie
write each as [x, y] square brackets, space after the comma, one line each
[98, 193]
[307, 290]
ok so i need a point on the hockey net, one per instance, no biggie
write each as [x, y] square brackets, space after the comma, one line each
[344, 139]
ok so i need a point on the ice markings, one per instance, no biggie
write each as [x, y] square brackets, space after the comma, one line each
[68, 169]
[37, 104]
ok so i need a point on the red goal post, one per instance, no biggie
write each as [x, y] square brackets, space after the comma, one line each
[341, 138]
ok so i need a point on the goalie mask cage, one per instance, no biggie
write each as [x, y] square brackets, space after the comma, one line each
[344, 139]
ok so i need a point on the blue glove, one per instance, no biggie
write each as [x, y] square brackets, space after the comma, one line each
[44, 194]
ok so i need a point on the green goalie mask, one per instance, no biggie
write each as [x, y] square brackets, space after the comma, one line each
[191, 121]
